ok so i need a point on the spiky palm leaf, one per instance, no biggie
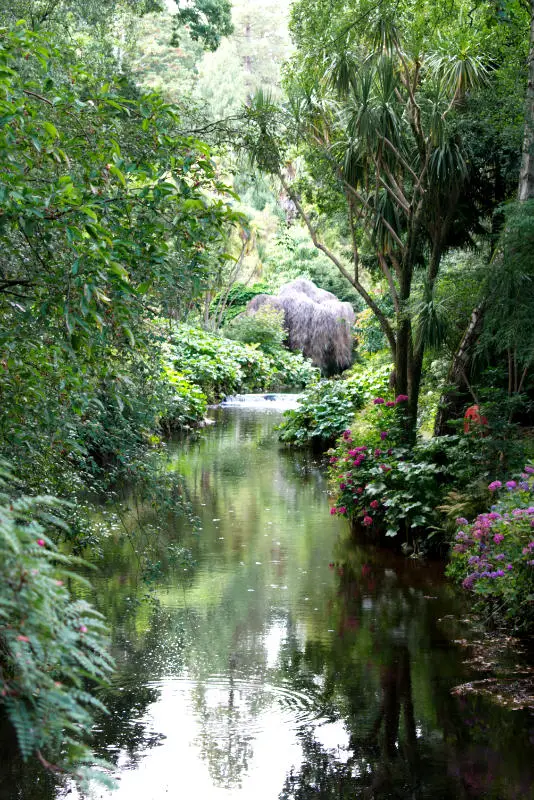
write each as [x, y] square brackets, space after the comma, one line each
[430, 317]
[447, 165]
[459, 72]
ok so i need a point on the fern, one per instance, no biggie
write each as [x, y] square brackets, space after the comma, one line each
[52, 648]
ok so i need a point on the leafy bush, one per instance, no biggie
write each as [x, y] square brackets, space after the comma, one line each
[221, 366]
[493, 556]
[292, 371]
[51, 646]
[186, 404]
[329, 407]
[264, 328]
[391, 489]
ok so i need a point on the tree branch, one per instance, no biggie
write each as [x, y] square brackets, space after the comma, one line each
[381, 317]
[391, 283]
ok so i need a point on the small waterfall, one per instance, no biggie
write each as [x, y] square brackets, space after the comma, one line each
[261, 402]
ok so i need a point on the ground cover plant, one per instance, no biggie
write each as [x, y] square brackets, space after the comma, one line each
[329, 407]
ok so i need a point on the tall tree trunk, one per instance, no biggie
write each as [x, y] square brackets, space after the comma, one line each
[459, 369]
[526, 176]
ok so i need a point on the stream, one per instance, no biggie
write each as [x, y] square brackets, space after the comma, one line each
[283, 661]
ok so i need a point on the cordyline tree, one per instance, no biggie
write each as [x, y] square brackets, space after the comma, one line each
[373, 113]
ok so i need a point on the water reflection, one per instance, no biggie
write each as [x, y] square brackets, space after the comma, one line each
[283, 661]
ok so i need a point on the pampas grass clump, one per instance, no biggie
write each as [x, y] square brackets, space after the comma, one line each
[317, 323]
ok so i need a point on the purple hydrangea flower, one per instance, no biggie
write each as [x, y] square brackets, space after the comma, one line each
[511, 485]
[494, 485]
[378, 401]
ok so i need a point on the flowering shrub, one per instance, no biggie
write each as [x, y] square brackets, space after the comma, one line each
[493, 556]
[386, 488]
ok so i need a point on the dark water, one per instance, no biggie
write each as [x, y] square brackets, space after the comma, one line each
[286, 662]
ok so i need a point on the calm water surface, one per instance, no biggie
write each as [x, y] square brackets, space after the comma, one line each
[285, 662]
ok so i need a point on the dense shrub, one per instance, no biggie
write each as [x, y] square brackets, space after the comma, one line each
[221, 366]
[493, 556]
[264, 328]
[52, 647]
[380, 485]
[329, 407]
[235, 300]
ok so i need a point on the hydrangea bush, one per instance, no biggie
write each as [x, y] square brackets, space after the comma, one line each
[380, 485]
[493, 556]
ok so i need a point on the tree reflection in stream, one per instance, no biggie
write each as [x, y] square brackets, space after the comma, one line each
[401, 746]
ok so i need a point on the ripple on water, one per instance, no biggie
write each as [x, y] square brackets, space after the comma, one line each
[260, 700]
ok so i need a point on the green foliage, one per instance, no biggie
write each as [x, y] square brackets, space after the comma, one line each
[370, 336]
[329, 407]
[109, 214]
[381, 485]
[265, 327]
[493, 556]
[205, 20]
[187, 402]
[510, 292]
[412, 492]
[237, 299]
[53, 649]
[222, 366]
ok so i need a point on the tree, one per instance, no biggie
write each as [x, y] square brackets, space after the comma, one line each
[375, 112]
[108, 217]
[206, 20]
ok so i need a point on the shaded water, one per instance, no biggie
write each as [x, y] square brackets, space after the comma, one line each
[285, 662]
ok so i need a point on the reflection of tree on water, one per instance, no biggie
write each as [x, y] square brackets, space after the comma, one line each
[227, 708]
[225, 741]
[386, 677]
